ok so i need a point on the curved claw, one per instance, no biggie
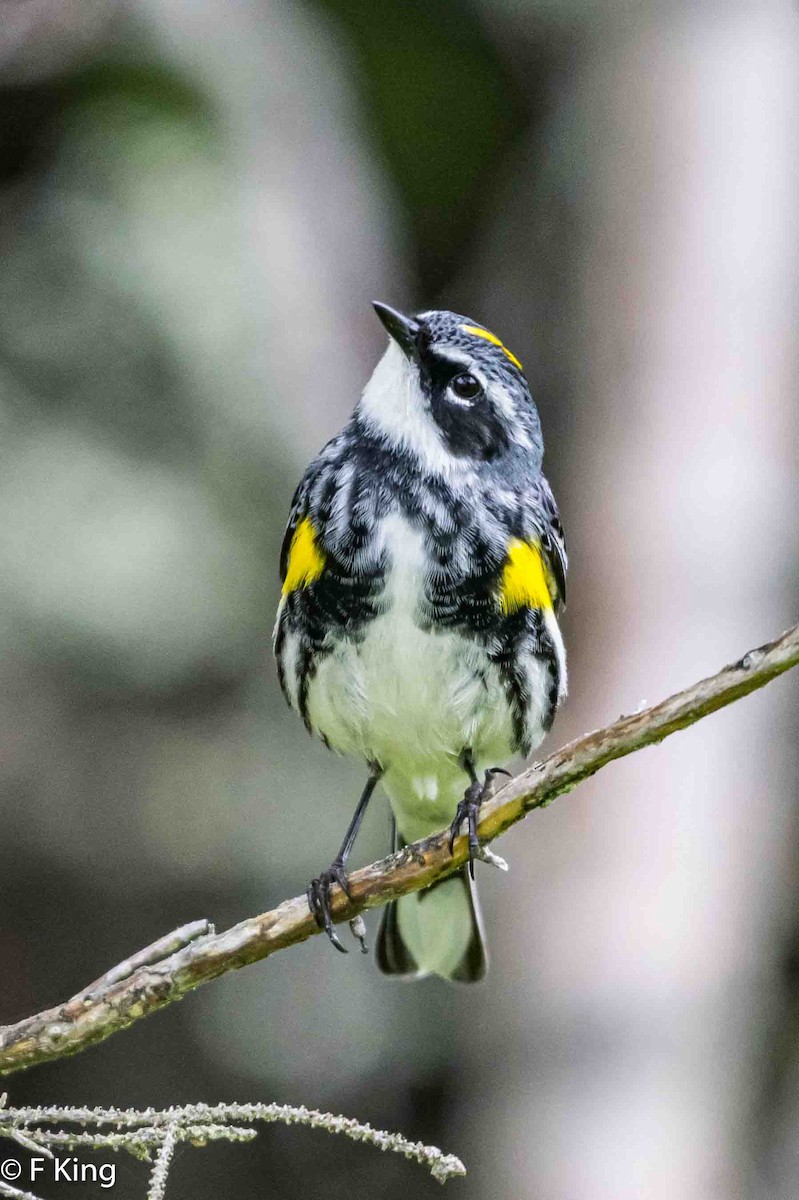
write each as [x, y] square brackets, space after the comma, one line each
[454, 830]
[318, 894]
[342, 879]
[469, 810]
[492, 771]
[474, 841]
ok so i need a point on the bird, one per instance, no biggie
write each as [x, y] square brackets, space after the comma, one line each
[423, 571]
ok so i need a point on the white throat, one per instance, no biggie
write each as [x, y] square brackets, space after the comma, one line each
[393, 407]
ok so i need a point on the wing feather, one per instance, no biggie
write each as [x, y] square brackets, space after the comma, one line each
[542, 523]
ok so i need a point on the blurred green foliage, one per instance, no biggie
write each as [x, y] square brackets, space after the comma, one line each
[444, 107]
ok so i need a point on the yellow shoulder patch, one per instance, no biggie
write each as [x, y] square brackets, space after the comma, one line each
[306, 561]
[492, 337]
[525, 582]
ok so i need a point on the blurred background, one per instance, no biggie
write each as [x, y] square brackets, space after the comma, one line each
[198, 203]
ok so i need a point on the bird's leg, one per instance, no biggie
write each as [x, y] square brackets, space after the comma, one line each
[319, 889]
[469, 807]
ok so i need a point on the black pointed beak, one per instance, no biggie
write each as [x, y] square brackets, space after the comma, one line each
[402, 329]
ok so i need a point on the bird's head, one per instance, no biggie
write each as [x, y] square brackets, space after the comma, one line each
[450, 392]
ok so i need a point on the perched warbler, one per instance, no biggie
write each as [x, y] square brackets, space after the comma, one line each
[423, 567]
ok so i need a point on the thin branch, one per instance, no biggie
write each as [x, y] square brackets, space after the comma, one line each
[121, 998]
[163, 1161]
[144, 1132]
[14, 1193]
[154, 953]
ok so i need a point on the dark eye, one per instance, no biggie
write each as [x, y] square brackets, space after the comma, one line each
[466, 387]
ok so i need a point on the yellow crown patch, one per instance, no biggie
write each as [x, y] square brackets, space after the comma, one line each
[492, 337]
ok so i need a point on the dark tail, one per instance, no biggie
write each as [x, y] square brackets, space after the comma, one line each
[435, 932]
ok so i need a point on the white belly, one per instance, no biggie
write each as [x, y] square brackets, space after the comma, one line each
[403, 697]
[412, 700]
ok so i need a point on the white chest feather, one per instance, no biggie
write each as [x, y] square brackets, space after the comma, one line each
[409, 698]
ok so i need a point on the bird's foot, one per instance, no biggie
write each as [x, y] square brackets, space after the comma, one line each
[469, 811]
[318, 894]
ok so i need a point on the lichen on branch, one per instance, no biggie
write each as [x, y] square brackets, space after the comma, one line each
[152, 1134]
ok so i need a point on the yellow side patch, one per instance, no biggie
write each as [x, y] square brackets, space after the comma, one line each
[492, 337]
[524, 579]
[306, 561]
